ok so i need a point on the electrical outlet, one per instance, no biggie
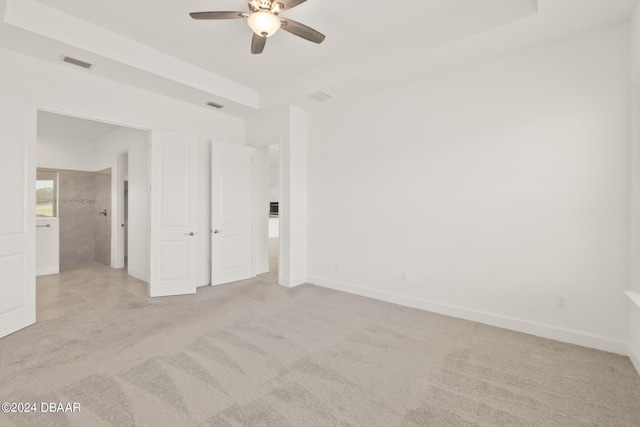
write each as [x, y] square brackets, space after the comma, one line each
[561, 301]
[403, 276]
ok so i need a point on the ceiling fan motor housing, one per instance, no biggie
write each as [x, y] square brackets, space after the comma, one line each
[257, 5]
[273, 6]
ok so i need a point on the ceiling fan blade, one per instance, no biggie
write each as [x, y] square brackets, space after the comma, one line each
[218, 15]
[289, 4]
[257, 43]
[301, 30]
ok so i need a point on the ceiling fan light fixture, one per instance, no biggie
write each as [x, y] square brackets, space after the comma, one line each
[264, 23]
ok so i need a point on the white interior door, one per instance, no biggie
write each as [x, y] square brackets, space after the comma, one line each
[17, 216]
[173, 213]
[231, 239]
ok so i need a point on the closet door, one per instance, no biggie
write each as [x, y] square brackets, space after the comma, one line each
[173, 216]
[17, 216]
[231, 236]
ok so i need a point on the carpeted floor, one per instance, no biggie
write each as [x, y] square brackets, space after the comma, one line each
[253, 353]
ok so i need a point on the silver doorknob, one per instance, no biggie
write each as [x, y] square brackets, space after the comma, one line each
[216, 231]
[190, 234]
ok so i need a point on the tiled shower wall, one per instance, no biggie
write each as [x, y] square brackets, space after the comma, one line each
[77, 215]
[82, 235]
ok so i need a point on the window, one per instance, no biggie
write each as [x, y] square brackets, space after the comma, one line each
[46, 194]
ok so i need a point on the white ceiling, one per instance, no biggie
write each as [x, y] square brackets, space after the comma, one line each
[222, 47]
[72, 127]
[154, 44]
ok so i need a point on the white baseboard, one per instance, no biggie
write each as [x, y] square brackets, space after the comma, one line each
[261, 271]
[47, 270]
[291, 283]
[138, 275]
[635, 359]
[203, 281]
[506, 322]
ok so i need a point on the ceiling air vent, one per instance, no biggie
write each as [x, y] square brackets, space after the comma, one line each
[77, 62]
[321, 96]
[214, 105]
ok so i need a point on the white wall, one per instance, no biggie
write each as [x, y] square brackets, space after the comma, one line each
[260, 211]
[274, 173]
[293, 205]
[47, 246]
[274, 227]
[62, 152]
[136, 143]
[634, 320]
[203, 238]
[56, 88]
[494, 188]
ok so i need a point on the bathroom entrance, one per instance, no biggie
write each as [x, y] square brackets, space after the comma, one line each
[83, 184]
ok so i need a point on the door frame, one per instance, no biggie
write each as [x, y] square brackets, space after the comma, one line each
[120, 251]
[266, 144]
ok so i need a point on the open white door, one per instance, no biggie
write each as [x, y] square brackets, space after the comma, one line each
[231, 239]
[173, 213]
[17, 216]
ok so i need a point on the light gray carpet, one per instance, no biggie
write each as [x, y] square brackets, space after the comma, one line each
[256, 354]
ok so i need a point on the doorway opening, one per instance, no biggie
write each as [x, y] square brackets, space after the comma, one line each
[91, 162]
[274, 212]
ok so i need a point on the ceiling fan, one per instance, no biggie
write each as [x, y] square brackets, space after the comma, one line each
[264, 21]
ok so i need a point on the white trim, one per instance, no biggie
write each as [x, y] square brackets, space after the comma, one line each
[635, 359]
[633, 355]
[47, 270]
[506, 322]
[635, 297]
[291, 283]
[81, 115]
[281, 241]
[118, 251]
[138, 275]
[266, 142]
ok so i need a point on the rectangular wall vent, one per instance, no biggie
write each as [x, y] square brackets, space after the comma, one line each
[320, 96]
[77, 62]
[214, 105]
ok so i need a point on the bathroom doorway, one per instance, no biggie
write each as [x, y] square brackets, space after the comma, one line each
[98, 165]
